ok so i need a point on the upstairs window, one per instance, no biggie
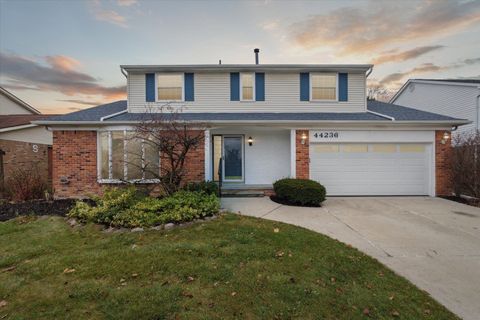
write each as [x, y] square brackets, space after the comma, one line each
[247, 86]
[170, 87]
[323, 86]
[125, 157]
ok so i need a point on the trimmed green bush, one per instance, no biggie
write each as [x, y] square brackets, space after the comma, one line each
[209, 187]
[302, 192]
[128, 208]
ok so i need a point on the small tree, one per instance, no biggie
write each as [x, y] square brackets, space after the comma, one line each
[169, 134]
[377, 92]
[466, 164]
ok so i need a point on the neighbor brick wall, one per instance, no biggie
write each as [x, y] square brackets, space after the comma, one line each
[22, 155]
[443, 153]
[302, 155]
[75, 158]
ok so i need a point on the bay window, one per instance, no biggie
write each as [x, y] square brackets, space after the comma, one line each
[125, 157]
[323, 86]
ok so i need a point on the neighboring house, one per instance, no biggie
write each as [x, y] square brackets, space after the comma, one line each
[304, 121]
[458, 98]
[22, 144]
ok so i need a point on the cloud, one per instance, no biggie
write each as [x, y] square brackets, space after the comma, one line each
[396, 78]
[110, 16]
[25, 74]
[126, 3]
[404, 55]
[353, 30]
[63, 63]
[83, 102]
[270, 25]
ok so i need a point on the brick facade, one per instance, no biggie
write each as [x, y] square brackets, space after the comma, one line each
[302, 155]
[75, 164]
[25, 155]
[443, 153]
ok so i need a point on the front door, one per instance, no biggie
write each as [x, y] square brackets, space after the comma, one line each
[232, 158]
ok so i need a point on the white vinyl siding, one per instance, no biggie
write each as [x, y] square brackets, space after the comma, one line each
[282, 94]
[454, 100]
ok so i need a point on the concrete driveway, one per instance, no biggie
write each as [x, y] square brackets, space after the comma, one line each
[435, 243]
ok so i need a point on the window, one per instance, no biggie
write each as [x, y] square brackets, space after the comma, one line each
[169, 87]
[247, 86]
[125, 157]
[323, 86]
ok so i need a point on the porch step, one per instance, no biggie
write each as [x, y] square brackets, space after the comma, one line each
[242, 193]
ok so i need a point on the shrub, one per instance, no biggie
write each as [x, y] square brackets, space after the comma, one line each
[209, 187]
[302, 192]
[25, 184]
[126, 208]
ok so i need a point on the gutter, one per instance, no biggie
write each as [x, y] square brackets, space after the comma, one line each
[390, 122]
[25, 126]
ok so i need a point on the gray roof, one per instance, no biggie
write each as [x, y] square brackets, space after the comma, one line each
[382, 112]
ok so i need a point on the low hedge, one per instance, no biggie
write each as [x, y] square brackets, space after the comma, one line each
[301, 192]
[128, 208]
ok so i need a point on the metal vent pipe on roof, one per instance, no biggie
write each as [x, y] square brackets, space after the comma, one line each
[256, 50]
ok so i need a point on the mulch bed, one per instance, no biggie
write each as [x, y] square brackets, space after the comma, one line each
[288, 203]
[471, 202]
[10, 210]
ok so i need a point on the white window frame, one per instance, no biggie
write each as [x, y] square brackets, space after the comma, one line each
[110, 180]
[254, 96]
[311, 83]
[170, 73]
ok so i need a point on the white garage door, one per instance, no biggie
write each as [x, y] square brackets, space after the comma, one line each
[371, 169]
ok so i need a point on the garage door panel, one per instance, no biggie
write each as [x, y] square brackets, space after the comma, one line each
[386, 169]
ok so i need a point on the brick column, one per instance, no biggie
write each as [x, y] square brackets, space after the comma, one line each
[302, 155]
[74, 164]
[443, 153]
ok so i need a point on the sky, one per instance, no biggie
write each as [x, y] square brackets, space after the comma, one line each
[64, 55]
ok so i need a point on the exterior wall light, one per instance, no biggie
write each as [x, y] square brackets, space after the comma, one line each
[445, 137]
[250, 141]
[304, 137]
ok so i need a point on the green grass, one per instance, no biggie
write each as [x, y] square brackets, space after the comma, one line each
[232, 267]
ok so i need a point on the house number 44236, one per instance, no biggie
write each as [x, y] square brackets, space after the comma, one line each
[326, 134]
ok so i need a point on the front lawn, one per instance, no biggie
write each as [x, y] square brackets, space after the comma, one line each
[232, 267]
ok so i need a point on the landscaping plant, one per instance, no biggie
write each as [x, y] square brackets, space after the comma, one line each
[25, 184]
[128, 208]
[301, 192]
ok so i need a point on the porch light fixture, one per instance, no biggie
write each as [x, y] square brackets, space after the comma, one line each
[250, 141]
[445, 137]
[304, 137]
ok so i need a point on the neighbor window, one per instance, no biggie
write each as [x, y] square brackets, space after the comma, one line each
[247, 86]
[169, 87]
[323, 86]
[126, 157]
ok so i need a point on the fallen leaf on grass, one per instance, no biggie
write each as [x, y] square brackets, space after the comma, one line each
[69, 270]
[190, 279]
[395, 313]
[9, 269]
[3, 303]
[391, 297]
[134, 275]
[234, 294]
[276, 230]
[187, 294]
[366, 312]
[280, 254]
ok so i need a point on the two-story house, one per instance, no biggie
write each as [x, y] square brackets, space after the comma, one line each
[266, 121]
[458, 98]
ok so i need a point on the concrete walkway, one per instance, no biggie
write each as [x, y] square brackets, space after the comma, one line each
[435, 243]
